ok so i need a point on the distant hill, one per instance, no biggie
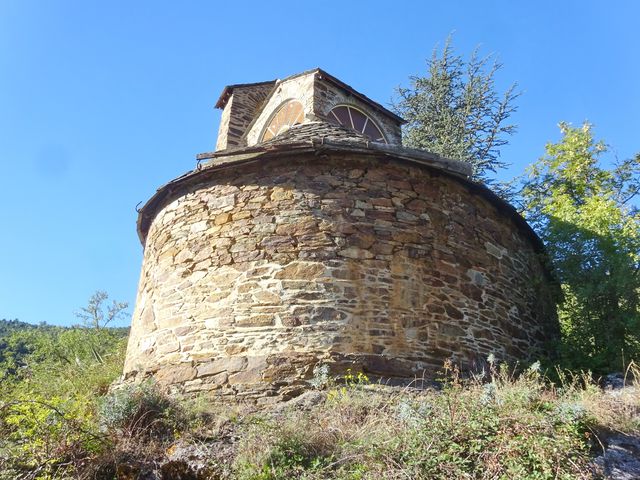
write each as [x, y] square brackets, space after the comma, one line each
[20, 341]
[8, 326]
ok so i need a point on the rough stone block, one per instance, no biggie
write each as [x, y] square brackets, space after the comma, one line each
[175, 374]
[219, 365]
[355, 253]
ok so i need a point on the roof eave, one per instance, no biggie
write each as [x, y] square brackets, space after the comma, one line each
[327, 76]
[228, 91]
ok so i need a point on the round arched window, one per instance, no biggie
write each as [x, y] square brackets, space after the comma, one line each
[289, 114]
[352, 118]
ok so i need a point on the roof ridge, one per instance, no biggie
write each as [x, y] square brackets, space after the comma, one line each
[323, 74]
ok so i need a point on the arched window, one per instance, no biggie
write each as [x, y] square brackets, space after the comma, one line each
[357, 120]
[289, 114]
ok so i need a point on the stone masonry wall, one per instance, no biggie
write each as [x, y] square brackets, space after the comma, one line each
[223, 129]
[318, 97]
[239, 112]
[299, 88]
[251, 280]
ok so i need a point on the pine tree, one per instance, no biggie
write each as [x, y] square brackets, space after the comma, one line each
[456, 111]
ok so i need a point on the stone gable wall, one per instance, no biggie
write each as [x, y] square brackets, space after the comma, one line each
[299, 88]
[318, 97]
[223, 130]
[251, 280]
[238, 114]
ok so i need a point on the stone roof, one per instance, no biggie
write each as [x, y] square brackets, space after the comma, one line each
[324, 136]
[307, 131]
[326, 76]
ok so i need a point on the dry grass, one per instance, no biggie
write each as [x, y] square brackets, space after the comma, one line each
[499, 425]
[512, 426]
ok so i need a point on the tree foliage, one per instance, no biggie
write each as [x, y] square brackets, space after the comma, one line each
[97, 315]
[584, 214]
[456, 111]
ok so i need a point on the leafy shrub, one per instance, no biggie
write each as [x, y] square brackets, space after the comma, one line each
[140, 410]
[51, 377]
[47, 435]
[321, 377]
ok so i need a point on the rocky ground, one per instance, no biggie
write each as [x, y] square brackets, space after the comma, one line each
[619, 460]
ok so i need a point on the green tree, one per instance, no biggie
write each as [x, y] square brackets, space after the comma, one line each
[457, 112]
[584, 214]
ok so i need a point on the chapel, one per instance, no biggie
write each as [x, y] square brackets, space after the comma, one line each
[310, 237]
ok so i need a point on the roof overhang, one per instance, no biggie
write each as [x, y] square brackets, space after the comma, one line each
[375, 105]
[228, 91]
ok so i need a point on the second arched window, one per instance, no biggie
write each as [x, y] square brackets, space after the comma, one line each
[355, 119]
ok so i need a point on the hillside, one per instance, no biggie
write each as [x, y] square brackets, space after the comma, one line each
[58, 420]
[26, 348]
[8, 326]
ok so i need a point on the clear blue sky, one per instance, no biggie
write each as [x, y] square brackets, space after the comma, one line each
[103, 102]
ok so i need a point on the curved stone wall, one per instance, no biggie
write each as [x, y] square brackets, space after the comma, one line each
[253, 278]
